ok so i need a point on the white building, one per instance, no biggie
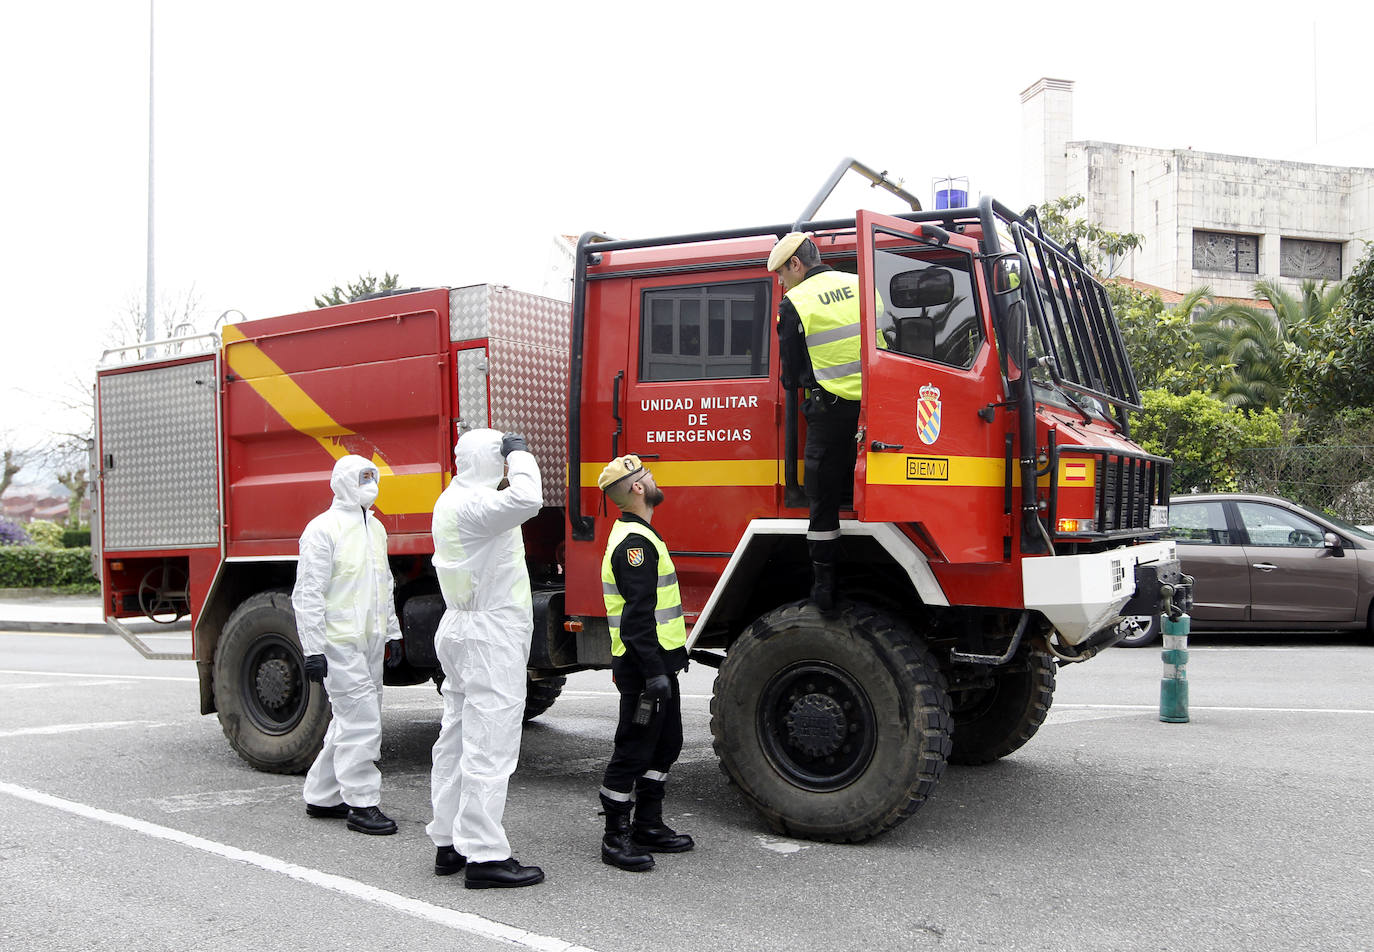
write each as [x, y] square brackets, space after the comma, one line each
[1221, 220]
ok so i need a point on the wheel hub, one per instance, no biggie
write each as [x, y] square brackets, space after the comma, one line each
[816, 725]
[275, 684]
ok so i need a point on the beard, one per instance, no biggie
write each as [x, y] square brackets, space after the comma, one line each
[654, 497]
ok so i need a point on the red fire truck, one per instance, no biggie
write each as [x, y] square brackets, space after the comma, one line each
[1002, 523]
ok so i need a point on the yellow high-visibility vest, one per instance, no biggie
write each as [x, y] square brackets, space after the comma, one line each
[828, 305]
[668, 619]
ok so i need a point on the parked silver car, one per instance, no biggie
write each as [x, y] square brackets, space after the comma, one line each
[1266, 563]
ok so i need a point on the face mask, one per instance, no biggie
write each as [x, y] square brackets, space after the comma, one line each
[367, 494]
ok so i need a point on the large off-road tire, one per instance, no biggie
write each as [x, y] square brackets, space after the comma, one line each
[540, 695]
[273, 717]
[835, 728]
[998, 716]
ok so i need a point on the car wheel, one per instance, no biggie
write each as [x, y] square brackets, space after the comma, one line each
[1146, 632]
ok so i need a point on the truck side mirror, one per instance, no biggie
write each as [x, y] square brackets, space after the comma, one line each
[1009, 312]
[928, 287]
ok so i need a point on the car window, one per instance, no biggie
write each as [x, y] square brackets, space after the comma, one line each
[1272, 526]
[1198, 523]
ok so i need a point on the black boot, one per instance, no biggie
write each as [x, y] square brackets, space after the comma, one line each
[648, 831]
[617, 848]
[448, 861]
[823, 586]
[501, 874]
[370, 820]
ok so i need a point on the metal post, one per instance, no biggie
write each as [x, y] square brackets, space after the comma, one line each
[1173, 686]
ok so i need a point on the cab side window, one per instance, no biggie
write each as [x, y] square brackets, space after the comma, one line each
[704, 331]
[926, 306]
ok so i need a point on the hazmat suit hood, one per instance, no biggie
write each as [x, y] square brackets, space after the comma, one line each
[344, 482]
[477, 460]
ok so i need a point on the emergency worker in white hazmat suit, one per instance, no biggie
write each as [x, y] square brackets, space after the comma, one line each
[346, 619]
[483, 643]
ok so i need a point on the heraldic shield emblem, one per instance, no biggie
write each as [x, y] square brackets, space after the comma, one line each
[928, 414]
[635, 557]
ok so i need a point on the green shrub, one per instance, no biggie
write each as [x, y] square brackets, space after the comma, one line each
[45, 533]
[75, 538]
[32, 566]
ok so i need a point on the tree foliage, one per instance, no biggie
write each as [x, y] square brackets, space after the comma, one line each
[367, 284]
[1258, 351]
[1164, 352]
[1103, 250]
[1203, 436]
[1335, 370]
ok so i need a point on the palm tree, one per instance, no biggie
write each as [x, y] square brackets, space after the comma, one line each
[1249, 344]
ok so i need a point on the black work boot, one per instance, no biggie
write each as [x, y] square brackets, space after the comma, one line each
[501, 874]
[617, 848]
[370, 820]
[448, 861]
[823, 586]
[648, 831]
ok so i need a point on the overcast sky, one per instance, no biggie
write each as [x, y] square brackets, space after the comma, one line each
[300, 144]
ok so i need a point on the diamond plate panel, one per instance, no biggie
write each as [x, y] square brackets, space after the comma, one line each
[527, 339]
[161, 489]
[469, 314]
[529, 394]
[472, 388]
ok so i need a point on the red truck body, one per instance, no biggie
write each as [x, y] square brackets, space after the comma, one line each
[973, 566]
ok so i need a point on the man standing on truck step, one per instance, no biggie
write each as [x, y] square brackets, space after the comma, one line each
[483, 644]
[346, 620]
[648, 649]
[818, 341]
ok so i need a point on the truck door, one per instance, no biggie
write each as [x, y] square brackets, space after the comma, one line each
[927, 456]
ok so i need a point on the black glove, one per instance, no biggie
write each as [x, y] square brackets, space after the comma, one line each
[395, 652]
[512, 442]
[316, 668]
[659, 688]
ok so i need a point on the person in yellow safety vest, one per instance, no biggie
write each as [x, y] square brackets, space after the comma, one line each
[648, 649]
[818, 341]
[346, 620]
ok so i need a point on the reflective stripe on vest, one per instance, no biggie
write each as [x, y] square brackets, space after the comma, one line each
[828, 305]
[668, 620]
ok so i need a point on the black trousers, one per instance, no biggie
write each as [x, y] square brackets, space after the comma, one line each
[828, 470]
[642, 747]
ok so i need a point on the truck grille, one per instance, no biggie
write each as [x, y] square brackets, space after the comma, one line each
[1127, 486]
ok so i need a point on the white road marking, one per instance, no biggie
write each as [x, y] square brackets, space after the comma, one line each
[73, 728]
[91, 674]
[36, 685]
[450, 918]
[1199, 707]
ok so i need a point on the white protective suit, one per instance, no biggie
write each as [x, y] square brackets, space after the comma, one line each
[483, 641]
[345, 611]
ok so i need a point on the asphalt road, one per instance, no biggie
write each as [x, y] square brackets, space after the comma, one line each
[126, 822]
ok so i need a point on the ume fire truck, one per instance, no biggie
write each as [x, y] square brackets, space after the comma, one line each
[1002, 523]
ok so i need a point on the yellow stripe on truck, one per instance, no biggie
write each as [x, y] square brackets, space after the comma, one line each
[884, 469]
[397, 493]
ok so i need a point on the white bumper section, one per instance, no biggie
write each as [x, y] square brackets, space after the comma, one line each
[1082, 594]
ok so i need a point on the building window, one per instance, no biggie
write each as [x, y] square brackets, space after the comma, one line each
[1299, 258]
[1219, 251]
[704, 331]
